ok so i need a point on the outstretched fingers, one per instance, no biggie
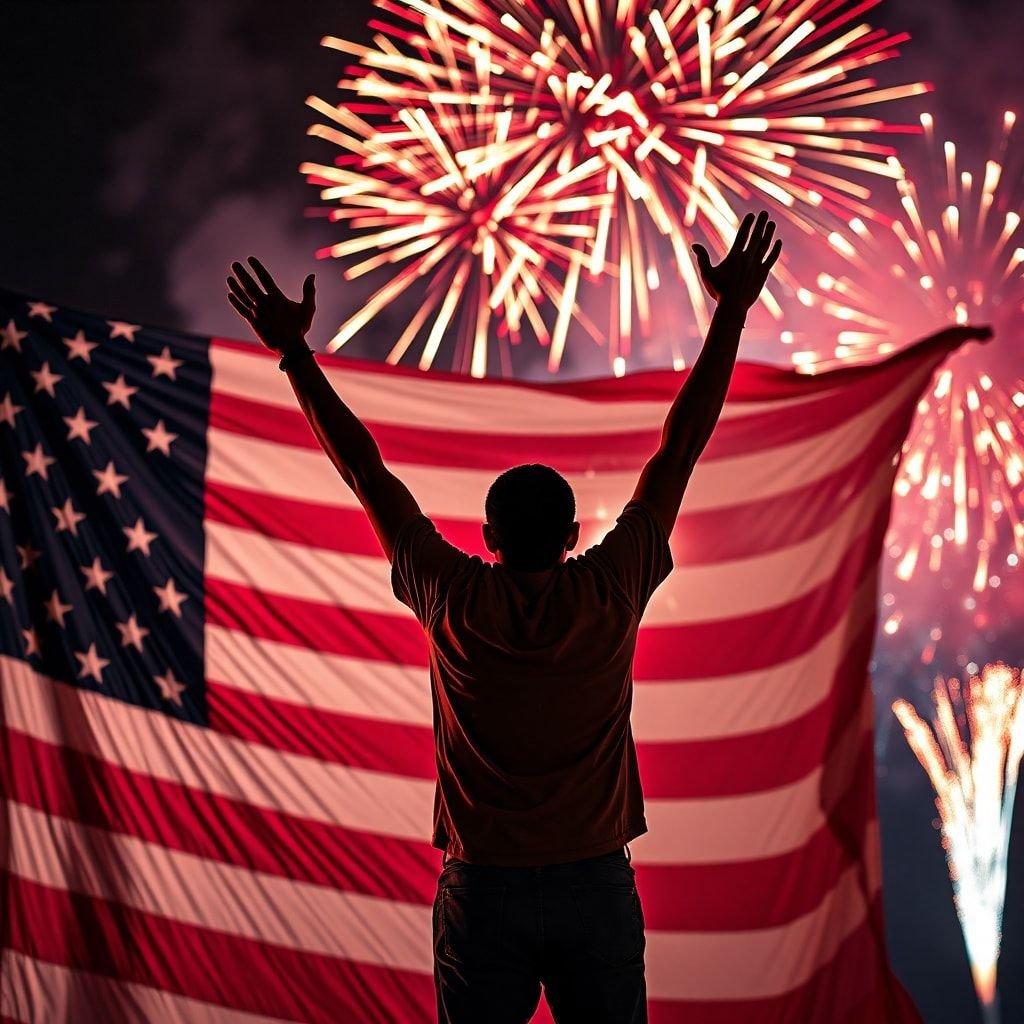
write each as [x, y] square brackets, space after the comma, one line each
[743, 234]
[250, 287]
[239, 293]
[757, 234]
[245, 312]
[264, 275]
[766, 240]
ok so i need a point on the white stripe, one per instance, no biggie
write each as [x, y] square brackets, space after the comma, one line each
[37, 992]
[206, 893]
[756, 965]
[289, 471]
[693, 831]
[772, 823]
[426, 402]
[749, 702]
[692, 594]
[330, 682]
[670, 711]
[314, 919]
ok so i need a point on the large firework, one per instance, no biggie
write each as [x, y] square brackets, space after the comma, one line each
[954, 255]
[488, 252]
[677, 112]
[972, 753]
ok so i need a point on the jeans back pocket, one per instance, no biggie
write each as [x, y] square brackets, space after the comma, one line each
[612, 921]
[470, 923]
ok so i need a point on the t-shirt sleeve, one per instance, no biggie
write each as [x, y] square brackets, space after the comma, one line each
[423, 563]
[635, 553]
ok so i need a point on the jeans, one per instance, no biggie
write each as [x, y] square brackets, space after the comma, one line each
[575, 928]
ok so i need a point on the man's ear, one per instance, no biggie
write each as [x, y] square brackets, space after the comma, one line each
[574, 537]
[490, 538]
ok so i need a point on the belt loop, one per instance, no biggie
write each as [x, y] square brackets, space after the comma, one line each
[629, 856]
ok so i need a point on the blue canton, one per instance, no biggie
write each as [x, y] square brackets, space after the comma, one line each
[102, 464]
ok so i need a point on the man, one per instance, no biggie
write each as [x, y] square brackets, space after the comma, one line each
[531, 676]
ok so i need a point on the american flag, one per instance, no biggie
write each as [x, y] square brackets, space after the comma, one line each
[217, 773]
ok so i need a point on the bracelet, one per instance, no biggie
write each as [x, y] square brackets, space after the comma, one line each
[289, 359]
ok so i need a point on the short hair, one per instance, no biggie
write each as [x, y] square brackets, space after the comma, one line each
[531, 510]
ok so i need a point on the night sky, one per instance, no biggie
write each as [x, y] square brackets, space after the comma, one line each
[145, 145]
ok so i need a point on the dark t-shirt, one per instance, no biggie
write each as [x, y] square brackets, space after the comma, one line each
[532, 692]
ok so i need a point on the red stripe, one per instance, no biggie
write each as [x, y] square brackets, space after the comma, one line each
[748, 763]
[731, 896]
[750, 382]
[756, 641]
[754, 528]
[694, 651]
[833, 992]
[568, 453]
[768, 891]
[114, 941]
[104, 795]
[106, 938]
[757, 761]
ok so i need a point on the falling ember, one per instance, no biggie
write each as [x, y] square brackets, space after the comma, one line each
[972, 752]
[954, 255]
[664, 117]
[486, 253]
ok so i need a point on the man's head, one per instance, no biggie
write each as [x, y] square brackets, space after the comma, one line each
[531, 516]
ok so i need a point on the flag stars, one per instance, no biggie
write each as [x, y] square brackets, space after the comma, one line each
[26, 556]
[119, 329]
[80, 426]
[12, 337]
[79, 347]
[159, 438]
[119, 392]
[170, 689]
[139, 538]
[8, 410]
[96, 576]
[170, 598]
[46, 380]
[31, 641]
[132, 634]
[5, 497]
[6, 586]
[68, 518]
[164, 364]
[91, 664]
[109, 480]
[42, 310]
[37, 461]
[56, 610]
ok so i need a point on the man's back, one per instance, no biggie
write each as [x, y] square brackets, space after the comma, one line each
[531, 676]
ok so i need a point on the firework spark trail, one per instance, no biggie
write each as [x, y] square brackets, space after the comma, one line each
[956, 255]
[680, 111]
[488, 250]
[974, 769]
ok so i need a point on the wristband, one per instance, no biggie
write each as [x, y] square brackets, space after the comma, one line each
[289, 359]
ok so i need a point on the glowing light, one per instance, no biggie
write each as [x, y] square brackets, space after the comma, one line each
[491, 253]
[960, 486]
[659, 120]
[974, 768]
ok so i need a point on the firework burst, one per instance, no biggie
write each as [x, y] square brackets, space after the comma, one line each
[488, 251]
[955, 254]
[972, 753]
[677, 111]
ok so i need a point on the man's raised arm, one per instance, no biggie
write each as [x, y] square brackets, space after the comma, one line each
[281, 324]
[736, 283]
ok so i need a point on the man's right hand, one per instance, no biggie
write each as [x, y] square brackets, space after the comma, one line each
[279, 322]
[739, 278]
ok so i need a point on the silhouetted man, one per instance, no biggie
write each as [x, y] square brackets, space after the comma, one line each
[531, 676]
